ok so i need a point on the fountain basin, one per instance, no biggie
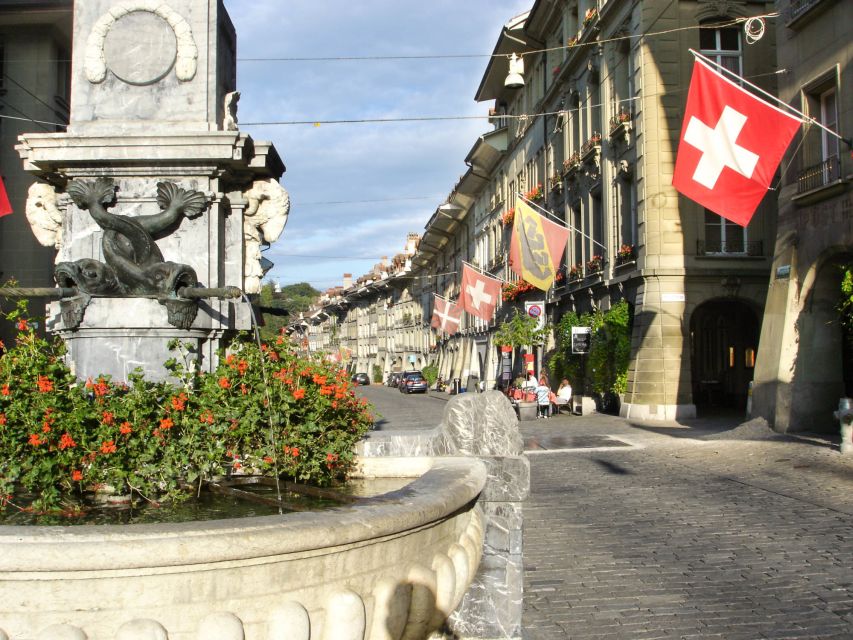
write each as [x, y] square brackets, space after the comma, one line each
[388, 567]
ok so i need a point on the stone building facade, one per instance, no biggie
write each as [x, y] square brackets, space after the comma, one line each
[805, 361]
[35, 94]
[591, 138]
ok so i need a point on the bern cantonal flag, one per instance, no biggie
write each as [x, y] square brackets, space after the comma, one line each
[480, 293]
[730, 146]
[5, 207]
[536, 247]
[446, 316]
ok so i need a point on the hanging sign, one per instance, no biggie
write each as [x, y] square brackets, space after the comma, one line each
[580, 339]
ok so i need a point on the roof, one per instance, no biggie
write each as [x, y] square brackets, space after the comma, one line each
[511, 40]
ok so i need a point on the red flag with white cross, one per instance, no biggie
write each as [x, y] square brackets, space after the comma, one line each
[730, 146]
[5, 207]
[480, 293]
[446, 315]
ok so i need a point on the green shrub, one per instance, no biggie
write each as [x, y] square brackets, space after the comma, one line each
[264, 410]
[430, 374]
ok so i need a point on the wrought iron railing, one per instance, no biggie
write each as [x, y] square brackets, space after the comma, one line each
[799, 8]
[752, 248]
[819, 175]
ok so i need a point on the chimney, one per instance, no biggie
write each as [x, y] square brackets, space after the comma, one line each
[347, 280]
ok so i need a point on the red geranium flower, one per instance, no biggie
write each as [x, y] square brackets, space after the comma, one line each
[125, 428]
[224, 383]
[107, 417]
[35, 440]
[66, 442]
[166, 423]
[179, 402]
[5, 390]
[299, 394]
[45, 384]
[76, 475]
[22, 324]
[108, 447]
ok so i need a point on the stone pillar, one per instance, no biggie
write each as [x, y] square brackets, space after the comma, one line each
[483, 425]
[153, 103]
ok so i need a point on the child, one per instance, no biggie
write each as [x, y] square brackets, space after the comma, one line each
[543, 398]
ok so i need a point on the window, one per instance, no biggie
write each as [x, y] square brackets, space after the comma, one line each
[820, 152]
[723, 46]
[723, 236]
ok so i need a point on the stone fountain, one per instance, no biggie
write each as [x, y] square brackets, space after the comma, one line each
[158, 206]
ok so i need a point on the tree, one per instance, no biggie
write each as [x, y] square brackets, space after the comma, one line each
[521, 330]
[279, 307]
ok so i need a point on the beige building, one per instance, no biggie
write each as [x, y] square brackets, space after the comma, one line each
[591, 137]
[805, 361]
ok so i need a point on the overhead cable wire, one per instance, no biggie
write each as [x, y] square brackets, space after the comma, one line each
[374, 58]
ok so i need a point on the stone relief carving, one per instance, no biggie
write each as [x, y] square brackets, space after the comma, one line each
[230, 120]
[44, 215]
[185, 60]
[133, 263]
[263, 221]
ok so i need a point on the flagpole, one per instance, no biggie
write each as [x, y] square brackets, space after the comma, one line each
[807, 119]
[483, 272]
[564, 223]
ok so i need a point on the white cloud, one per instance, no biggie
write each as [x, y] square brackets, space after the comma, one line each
[353, 162]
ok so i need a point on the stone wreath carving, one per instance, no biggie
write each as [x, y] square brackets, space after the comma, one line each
[133, 263]
[263, 221]
[186, 60]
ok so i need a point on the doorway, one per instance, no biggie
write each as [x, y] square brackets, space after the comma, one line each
[724, 342]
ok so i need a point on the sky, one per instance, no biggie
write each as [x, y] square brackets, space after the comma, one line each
[357, 189]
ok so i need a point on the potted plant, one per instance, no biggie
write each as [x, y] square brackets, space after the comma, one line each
[594, 265]
[625, 254]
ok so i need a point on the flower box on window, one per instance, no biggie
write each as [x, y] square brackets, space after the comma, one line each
[591, 145]
[625, 255]
[571, 163]
[594, 265]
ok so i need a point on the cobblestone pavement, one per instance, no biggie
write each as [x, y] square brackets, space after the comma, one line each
[718, 531]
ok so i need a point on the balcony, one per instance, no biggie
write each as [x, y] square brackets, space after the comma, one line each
[735, 249]
[817, 181]
[801, 11]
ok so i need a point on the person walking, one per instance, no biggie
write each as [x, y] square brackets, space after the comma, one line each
[543, 398]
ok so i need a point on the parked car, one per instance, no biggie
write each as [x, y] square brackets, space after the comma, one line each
[413, 382]
[361, 378]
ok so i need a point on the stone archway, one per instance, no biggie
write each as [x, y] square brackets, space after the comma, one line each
[724, 342]
[823, 370]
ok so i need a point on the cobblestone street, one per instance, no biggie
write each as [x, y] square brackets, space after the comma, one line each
[716, 530]
[685, 534]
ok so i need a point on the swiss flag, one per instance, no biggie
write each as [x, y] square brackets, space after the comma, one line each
[731, 143]
[480, 293]
[5, 207]
[446, 316]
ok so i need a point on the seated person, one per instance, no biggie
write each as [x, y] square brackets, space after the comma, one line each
[564, 395]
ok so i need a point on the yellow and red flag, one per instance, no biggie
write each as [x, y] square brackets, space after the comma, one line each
[536, 247]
